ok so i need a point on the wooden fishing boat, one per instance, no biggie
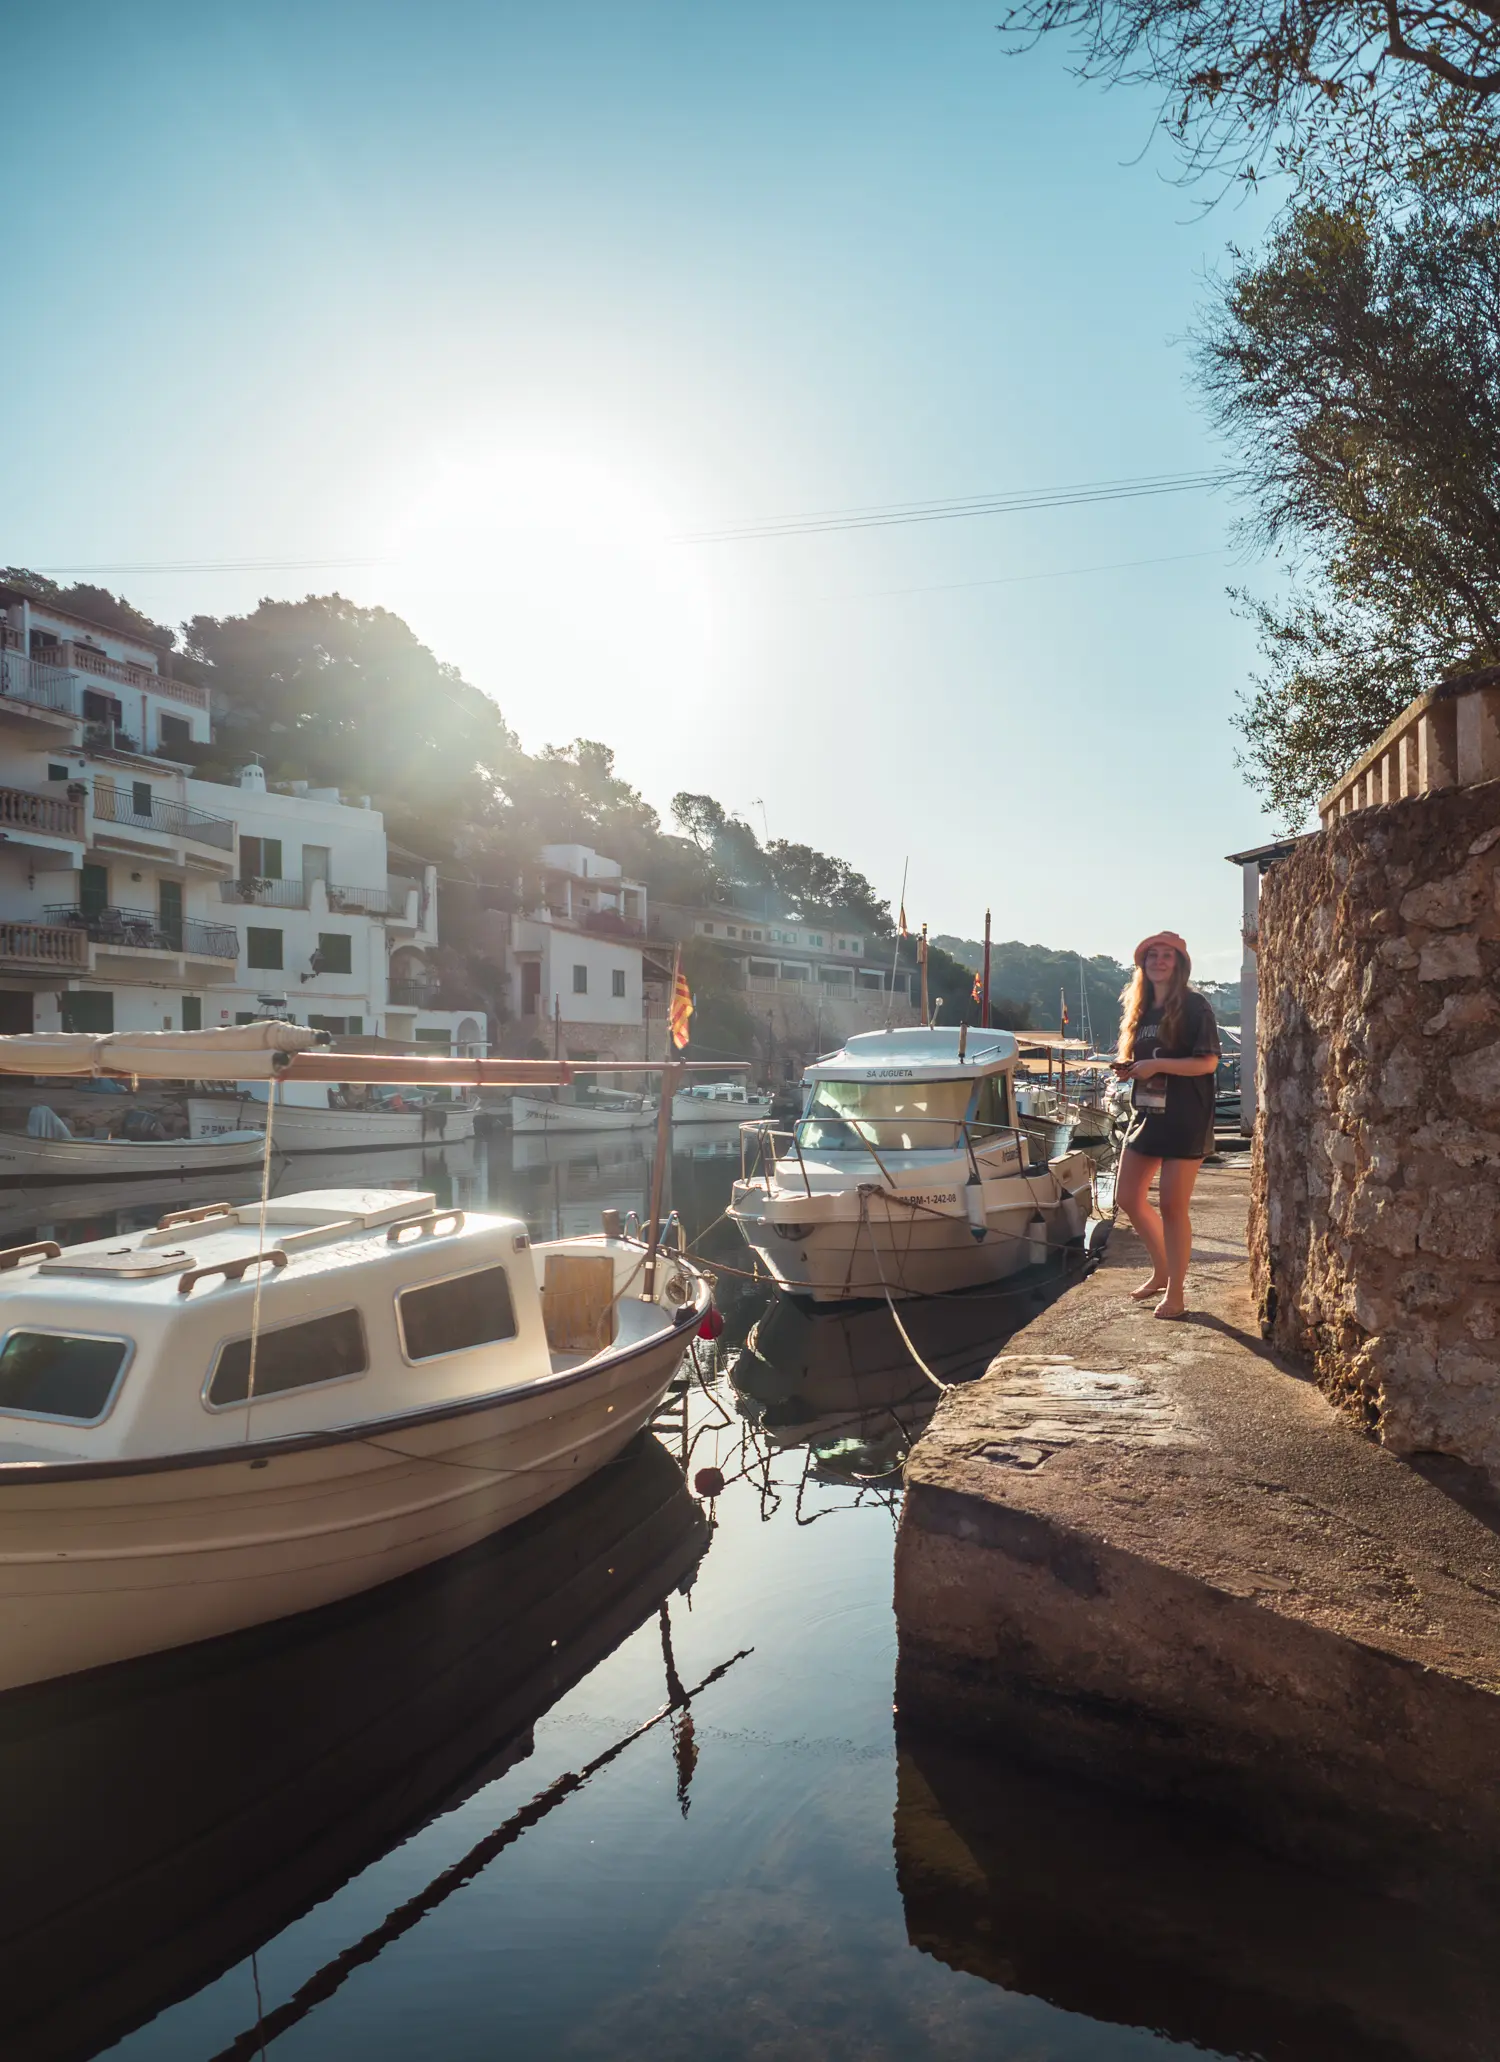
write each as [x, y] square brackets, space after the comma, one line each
[260, 1410]
[719, 1102]
[604, 1109]
[314, 1120]
[26, 1159]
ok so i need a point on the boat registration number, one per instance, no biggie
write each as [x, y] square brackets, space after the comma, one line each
[931, 1196]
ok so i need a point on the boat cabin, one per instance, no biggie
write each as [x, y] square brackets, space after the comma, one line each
[910, 1091]
[373, 1305]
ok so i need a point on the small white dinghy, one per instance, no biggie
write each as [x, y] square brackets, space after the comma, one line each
[246, 1413]
[602, 1109]
[907, 1174]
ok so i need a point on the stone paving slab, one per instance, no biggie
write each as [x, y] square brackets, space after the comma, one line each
[1154, 1547]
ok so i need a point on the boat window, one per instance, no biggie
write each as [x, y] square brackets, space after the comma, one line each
[322, 1349]
[993, 1106]
[60, 1375]
[465, 1310]
[892, 1116]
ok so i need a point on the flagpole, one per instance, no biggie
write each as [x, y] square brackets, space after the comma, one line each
[922, 959]
[890, 1004]
[985, 998]
[671, 1075]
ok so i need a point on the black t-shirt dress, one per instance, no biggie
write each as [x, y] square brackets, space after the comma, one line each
[1174, 1114]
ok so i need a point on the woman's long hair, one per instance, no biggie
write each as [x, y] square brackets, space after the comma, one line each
[1136, 996]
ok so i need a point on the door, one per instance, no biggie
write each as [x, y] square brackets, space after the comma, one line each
[16, 1012]
[169, 911]
[192, 1013]
[93, 889]
[316, 860]
[531, 987]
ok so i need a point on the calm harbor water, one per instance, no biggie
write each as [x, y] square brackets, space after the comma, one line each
[429, 1823]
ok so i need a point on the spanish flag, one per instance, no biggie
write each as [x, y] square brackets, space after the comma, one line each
[681, 1011]
[901, 921]
[978, 989]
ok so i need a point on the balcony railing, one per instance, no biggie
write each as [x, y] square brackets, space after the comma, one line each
[412, 995]
[608, 923]
[266, 894]
[43, 945]
[55, 815]
[43, 687]
[1449, 737]
[142, 930]
[173, 819]
[83, 658]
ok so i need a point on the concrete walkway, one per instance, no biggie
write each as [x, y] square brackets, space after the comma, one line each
[1149, 1550]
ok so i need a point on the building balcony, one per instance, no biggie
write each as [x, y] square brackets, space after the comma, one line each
[54, 815]
[73, 657]
[142, 930]
[608, 923]
[169, 819]
[412, 995]
[27, 687]
[43, 946]
[262, 893]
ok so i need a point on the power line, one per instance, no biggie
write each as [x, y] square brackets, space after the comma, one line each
[1115, 565]
[1013, 503]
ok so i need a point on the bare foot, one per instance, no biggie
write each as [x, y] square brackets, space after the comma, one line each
[1167, 1308]
[1147, 1289]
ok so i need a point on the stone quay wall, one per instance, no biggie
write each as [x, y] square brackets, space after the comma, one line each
[1375, 1213]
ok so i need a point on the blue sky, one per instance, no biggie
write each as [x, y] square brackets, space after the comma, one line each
[495, 305]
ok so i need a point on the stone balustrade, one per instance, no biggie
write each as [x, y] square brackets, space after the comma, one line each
[1449, 738]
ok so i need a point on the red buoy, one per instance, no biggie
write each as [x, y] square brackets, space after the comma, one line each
[712, 1323]
[709, 1482]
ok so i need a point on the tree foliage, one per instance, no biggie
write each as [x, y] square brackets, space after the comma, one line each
[1356, 367]
[1354, 97]
[97, 604]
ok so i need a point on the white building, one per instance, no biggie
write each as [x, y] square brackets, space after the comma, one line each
[575, 960]
[135, 897]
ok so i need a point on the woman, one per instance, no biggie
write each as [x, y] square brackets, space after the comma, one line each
[1169, 1052]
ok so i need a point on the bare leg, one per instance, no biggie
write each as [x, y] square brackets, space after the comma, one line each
[1177, 1179]
[1132, 1186]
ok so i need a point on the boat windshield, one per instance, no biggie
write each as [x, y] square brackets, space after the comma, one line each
[891, 1116]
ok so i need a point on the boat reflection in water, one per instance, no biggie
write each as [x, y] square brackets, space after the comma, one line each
[161, 1819]
[844, 1383]
[1134, 1913]
[562, 1181]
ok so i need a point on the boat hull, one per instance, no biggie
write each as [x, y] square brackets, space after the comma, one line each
[301, 1128]
[829, 1249]
[24, 1159]
[101, 1564]
[535, 1113]
[692, 1109]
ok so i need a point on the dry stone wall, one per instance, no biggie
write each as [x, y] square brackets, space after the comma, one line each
[1375, 1220]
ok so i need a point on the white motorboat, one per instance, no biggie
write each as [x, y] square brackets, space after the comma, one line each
[58, 1156]
[313, 1118]
[602, 1109]
[719, 1102]
[907, 1174]
[248, 1412]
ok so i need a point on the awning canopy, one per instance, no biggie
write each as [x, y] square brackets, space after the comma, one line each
[243, 1052]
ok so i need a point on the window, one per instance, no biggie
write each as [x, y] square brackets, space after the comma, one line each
[56, 772]
[262, 948]
[894, 1116]
[102, 708]
[993, 1106]
[93, 888]
[260, 859]
[445, 1317]
[729, 931]
[335, 949]
[192, 1013]
[759, 937]
[617, 984]
[173, 732]
[708, 930]
[322, 1349]
[793, 970]
[338, 1027]
[60, 1375]
[88, 1010]
[140, 798]
[580, 980]
[764, 969]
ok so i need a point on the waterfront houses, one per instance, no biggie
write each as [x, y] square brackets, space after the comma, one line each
[135, 896]
[580, 973]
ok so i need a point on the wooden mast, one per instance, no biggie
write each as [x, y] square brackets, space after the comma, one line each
[984, 1000]
[671, 1076]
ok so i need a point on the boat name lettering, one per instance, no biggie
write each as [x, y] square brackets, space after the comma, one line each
[889, 1074]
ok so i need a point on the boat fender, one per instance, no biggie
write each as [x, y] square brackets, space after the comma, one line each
[713, 1323]
[1036, 1239]
[974, 1202]
[1096, 1237]
[709, 1482]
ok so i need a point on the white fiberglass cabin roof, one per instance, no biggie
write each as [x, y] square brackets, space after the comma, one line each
[928, 1053]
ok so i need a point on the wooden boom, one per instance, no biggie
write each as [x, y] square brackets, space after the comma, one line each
[412, 1070]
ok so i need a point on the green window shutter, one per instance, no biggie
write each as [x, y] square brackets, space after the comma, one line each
[88, 1010]
[263, 948]
[192, 1013]
[335, 949]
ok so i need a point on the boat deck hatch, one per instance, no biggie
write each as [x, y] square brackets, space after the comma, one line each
[123, 1262]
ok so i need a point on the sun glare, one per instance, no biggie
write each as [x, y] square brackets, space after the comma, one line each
[557, 582]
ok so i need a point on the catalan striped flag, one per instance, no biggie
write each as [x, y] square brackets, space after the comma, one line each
[978, 989]
[680, 1014]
